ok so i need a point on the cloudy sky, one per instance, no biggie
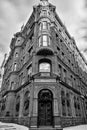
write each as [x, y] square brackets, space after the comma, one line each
[15, 13]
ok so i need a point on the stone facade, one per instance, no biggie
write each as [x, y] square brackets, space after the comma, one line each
[45, 79]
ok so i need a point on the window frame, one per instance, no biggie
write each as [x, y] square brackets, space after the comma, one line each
[44, 42]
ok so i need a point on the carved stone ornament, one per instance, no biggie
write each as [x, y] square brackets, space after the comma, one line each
[44, 2]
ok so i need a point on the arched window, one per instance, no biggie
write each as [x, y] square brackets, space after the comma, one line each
[44, 67]
[26, 103]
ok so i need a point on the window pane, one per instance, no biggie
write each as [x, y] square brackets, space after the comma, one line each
[44, 40]
[44, 67]
[15, 67]
[44, 25]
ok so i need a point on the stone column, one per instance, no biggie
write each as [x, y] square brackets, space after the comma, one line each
[10, 104]
[21, 104]
[72, 105]
[34, 109]
[54, 64]
[57, 108]
[33, 64]
[35, 104]
[56, 111]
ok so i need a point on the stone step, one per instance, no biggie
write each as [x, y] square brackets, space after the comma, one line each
[45, 128]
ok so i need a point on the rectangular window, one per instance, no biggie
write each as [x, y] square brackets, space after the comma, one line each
[30, 51]
[15, 66]
[44, 40]
[44, 12]
[12, 86]
[23, 59]
[59, 70]
[16, 55]
[64, 75]
[44, 25]
[29, 70]
[20, 78]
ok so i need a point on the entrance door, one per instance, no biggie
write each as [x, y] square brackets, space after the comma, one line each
[45, 112]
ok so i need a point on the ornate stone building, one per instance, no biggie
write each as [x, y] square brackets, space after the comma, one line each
[45, 75]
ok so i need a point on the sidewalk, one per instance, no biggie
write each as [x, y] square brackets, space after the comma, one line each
[11, 126]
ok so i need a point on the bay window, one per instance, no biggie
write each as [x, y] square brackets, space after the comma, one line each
[44, 25]
[44, 40]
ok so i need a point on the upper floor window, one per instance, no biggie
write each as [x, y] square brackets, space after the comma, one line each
[12, 85]
[29, 70]
[44, 40]
[44, 12]
[21, 79]
[64, 75]
[44, 67]
[16, 54]
[15, 66]
[30, 51]
[44, 25]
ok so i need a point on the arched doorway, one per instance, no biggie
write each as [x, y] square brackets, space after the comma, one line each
[45, 108]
